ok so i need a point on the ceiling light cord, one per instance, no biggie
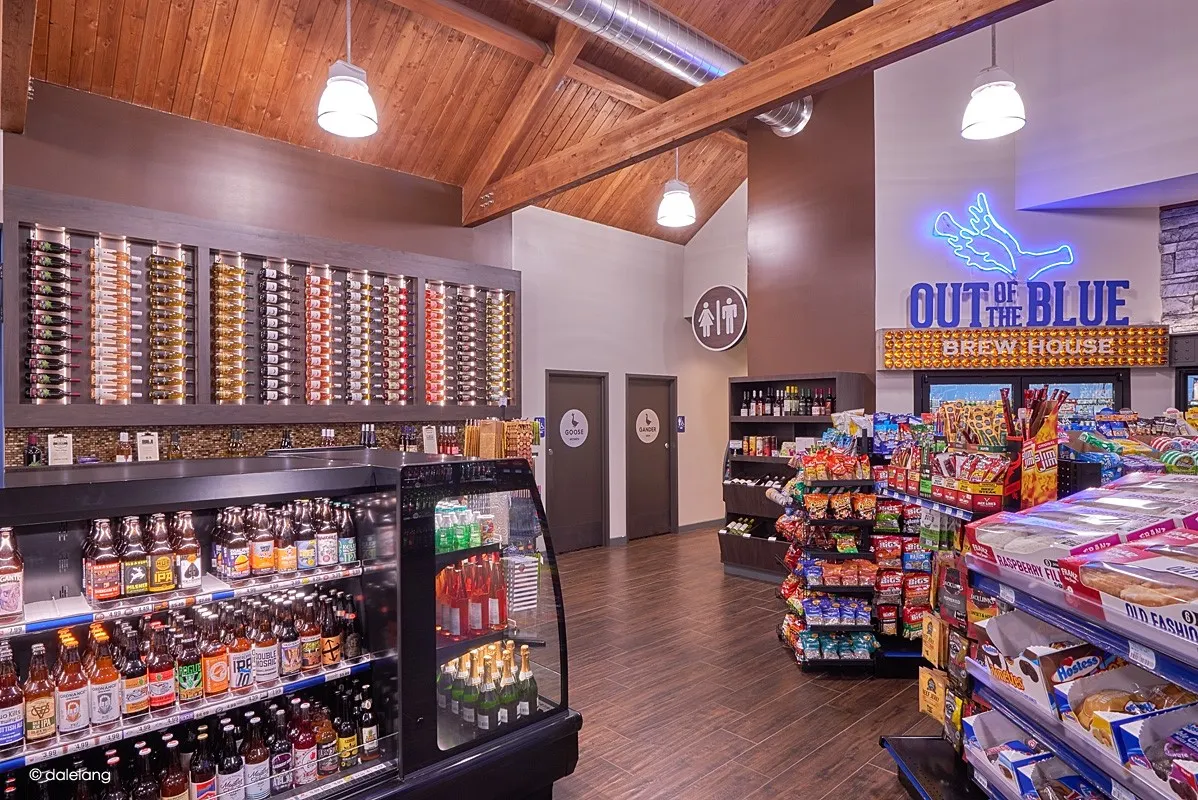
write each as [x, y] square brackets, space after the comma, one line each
[993, 45]
[676, 163]
[348, 17]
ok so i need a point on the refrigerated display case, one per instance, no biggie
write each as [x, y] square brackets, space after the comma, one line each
[342, 616]
[1089, 390]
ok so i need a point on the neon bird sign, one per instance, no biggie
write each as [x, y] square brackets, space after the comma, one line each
[986, 245]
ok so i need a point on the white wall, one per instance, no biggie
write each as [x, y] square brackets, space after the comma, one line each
[1110, 98]
[923, 166]
[719, 252]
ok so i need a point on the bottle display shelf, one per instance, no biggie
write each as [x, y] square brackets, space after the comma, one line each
[785, 420]
[1086, 621]
[1084, 755]
[152, 721]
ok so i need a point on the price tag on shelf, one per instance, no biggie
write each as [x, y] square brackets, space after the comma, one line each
[1139, 654]
[981, 780]
[1006, 594]
[773, 539]
[1120, 793]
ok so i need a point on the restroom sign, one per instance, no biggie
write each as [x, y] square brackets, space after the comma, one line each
[647, 426]
[574, 428]
[720, 318]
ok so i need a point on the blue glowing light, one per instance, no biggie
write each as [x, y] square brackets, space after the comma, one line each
[986, 245]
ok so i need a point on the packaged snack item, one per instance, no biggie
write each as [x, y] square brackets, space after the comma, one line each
[862, 645]
[1163, 751]
[829, 646]
[864, 505]
[917, 589]
[915, 557]
[813, 571]
[935, 640]
[932, 686]
[912, 619]
[842, 505]
[846, 541]
[888, 516]
[832, 574]
[888, 620]
[811, 645]
[911, 517]
[816, 504]
[867, 573]
[958, 652]
[889, 587]
[888, 552]
[849, 573]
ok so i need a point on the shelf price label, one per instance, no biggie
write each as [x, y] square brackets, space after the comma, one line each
[1118, 792]
[1141, 655]
[1006, 594]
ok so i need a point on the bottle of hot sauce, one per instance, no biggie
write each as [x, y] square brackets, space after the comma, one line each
[40, 722]
[12, 700]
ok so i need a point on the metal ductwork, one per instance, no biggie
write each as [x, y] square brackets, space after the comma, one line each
[654, 35]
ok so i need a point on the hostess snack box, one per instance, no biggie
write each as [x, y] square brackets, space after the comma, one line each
[1152, 585]
[1033, 657]
[992, 738]
[1053, 779]
[1032, 545]
[1097, 706]
[1162, 750]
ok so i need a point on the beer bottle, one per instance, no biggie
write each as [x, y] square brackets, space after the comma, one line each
[347, 537]
[201, 780]
[114, 790]
[105, 701]
[347, 736]
[303, 747]
[266, 653]
[214, 657]
[145, 785]
[40, 722]
[305, 535]
[280, 755]
[326, 536]
[135, 690]
[161, 668]
[330, 636]
[12, 700]
[326, 743]
[289, 642]
[285, 555]
[135, 563]
[12, 576]
[309, 637]
[256, 756]
[172, 785]
[189, 673]
[237, 546]
[230, 770]
[241, 658]
[261, 542]
[105, 563]
[188, 572]
[161, 556]
[71, 694]
[368, 726]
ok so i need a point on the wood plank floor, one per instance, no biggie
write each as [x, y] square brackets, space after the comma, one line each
[685, 691]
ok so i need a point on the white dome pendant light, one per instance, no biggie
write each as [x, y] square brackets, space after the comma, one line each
[346, 108]
[676, 209]
[995, 108]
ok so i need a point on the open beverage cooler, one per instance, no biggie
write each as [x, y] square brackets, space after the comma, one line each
[321, 624]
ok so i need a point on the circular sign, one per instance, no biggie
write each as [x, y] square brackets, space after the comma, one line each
[720, 317]
[573, 428]
[647, 426]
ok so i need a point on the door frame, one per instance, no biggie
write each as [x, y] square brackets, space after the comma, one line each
[604, 404]
[672, 424]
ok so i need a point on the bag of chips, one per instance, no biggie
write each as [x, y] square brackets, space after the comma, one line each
[816, 505]
[864, 506]
[888, 552]
[842, 506]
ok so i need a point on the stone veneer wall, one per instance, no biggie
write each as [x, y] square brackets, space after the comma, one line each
[1179, 268]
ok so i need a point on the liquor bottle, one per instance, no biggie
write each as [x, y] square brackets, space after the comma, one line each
[34, 455]
[236, 545]
[305, 535]
[303, 747]
[347, 736]
[744, 404]
[256, 756]
[830, 401]
[230, 772]
[368, 726]
[145, 784]
[135, 689]
[103, 565]
[487, 715]
[172, 784]
[113, 789]
[188, 574]
[351, 636]
[347, 535]
[161, 556]
[214, 657]
[52, 335]
[326, 743]
[289, 642]
[71, 695]
[280, 755]
[527, 686]
[174, 450]
[40, 722]
[497, 596]
[326, 536]
[470, 696]
[478, 599]
[135, 563]
[12, 700]
[330, 636]
[286, 443]
[160, 666]
[105, 686]
[241, 658]
[509, 696]
[265, 653]
[189, 672]
[12, 576]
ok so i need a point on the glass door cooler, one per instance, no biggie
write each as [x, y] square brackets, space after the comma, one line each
[271, 627]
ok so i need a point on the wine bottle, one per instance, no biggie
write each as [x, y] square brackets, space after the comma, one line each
[54, 320]
[41, 260]
[44, 362]
[51, 335]
[44, 349]
[49, 304]
[52, 290]
[49, 379]
[49, 393]
[50, 276]
[43, 246]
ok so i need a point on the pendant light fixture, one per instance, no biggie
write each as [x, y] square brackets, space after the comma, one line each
[346, 108]
[676, 209]
[995, 108]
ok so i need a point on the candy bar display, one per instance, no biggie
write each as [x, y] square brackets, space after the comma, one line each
[318, 335]
[397, 360]
[116, 326]
[279, 344]
[229, 314]
[50, 374]
[436, 380]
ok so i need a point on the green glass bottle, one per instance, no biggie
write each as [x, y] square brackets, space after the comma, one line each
[458, 690]
[470, 696]
[527, 686]
[445, 687]
[487, 717]
[508, 695]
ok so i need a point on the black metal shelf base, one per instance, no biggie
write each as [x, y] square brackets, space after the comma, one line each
[930, 769]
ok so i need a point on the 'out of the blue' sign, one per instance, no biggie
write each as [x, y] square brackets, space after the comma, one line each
[1015, 304]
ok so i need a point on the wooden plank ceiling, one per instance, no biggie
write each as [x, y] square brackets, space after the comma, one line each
[260, 65]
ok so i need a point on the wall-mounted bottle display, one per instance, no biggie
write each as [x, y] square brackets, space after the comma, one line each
[280, 373]
[468, 321]
[436, 389]
[229, 313]
[117, 327]
[499, 347]
[361, 355]
[169, 325]
[318, 333]
[397, 358]
[50, 316]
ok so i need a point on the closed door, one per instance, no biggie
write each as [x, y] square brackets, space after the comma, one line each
[576, 473]
[651, 456]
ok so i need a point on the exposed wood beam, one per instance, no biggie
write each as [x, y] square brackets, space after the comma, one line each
[16, 39]
[528, 103]
[506, 38]
[872, 38]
